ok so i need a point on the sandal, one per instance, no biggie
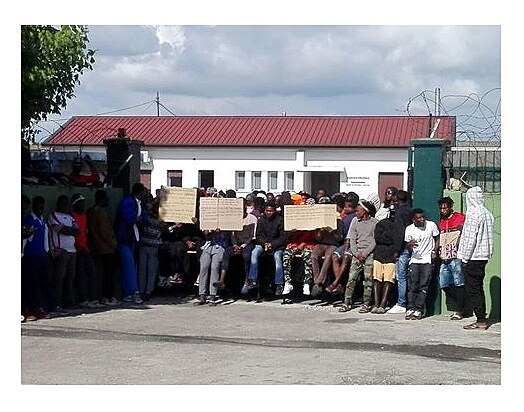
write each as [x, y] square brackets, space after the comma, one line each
[456, 316]
[364, 309]
[475, 325]
[344, 308]
[330, 288]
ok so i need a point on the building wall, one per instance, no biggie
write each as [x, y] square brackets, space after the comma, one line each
[359, 168]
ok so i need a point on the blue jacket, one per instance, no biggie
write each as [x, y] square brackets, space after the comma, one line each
[126, 218]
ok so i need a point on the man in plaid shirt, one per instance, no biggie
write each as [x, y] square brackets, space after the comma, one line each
[475, 249]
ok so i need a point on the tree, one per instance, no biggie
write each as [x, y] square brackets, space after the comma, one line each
[52, 61]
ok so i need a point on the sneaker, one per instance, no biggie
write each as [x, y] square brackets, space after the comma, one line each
[112, 302]
[245, 290]
[305, 290]
[162, 281]
[288, 288]
[381, 311]
[30, 318]
[316, 291]
[374, 309]
[251, 284]
[417, 315]
[137, 299]
[397, 309]
[278, 290]
[409, 313]
[128, 298]
[212, 301]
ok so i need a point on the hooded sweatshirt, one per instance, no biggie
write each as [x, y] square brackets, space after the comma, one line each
[476, 242]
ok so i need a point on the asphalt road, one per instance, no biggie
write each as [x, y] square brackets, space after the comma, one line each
[169, 341]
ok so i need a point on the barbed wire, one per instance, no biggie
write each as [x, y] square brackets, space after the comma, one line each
[477, 116]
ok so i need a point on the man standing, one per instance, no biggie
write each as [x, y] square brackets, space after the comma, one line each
[451, 278]
[402, 220]
[129, 213]
[103, 240]
[475, 249]
[422, 238]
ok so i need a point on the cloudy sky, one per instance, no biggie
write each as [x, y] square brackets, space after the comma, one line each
[296, 69]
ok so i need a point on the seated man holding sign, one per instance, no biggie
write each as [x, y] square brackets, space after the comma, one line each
[270, 239]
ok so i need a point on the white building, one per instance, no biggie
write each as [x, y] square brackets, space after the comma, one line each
[246, 153]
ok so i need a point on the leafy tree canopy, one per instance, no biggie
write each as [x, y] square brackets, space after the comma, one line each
[52, 61]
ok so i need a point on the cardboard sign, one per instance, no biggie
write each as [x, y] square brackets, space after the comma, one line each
[306, 217]
[448, 244]
[221, 213]
[177, 204]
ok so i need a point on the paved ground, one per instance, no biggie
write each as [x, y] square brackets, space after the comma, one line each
[171, 341]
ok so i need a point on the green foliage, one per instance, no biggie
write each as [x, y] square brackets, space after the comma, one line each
[52, 61]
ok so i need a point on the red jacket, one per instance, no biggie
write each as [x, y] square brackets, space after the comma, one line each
[302, 236]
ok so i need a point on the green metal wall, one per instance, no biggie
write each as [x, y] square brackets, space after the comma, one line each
[492, 286]
[51, 193]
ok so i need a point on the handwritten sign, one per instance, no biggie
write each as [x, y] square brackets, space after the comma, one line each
[177, 204]
[221, 213]
[306, 217]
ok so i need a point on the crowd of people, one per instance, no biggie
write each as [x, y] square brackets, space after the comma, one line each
[79, 257]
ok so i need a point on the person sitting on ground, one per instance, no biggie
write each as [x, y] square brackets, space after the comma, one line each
[270, 239]
[327, 240]
[300, 243]
[243, 245]
[362, 244]
[217, 241]
[341, 258]
[384, 259]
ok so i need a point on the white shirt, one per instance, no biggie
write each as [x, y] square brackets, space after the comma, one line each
[56, 221]
[424, 237]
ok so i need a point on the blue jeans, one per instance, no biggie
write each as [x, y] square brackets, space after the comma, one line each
[253, 267]
[402, 273]
[451, 274]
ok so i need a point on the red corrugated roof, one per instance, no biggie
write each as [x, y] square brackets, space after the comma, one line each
[302, 131]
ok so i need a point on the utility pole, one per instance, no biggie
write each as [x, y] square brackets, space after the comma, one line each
[437, 101]
[157, 104]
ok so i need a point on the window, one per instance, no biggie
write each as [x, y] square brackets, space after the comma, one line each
[174, 178]
[206, 178]
[289, 181]
[256, 180]
[272, 179]
[240, 180]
